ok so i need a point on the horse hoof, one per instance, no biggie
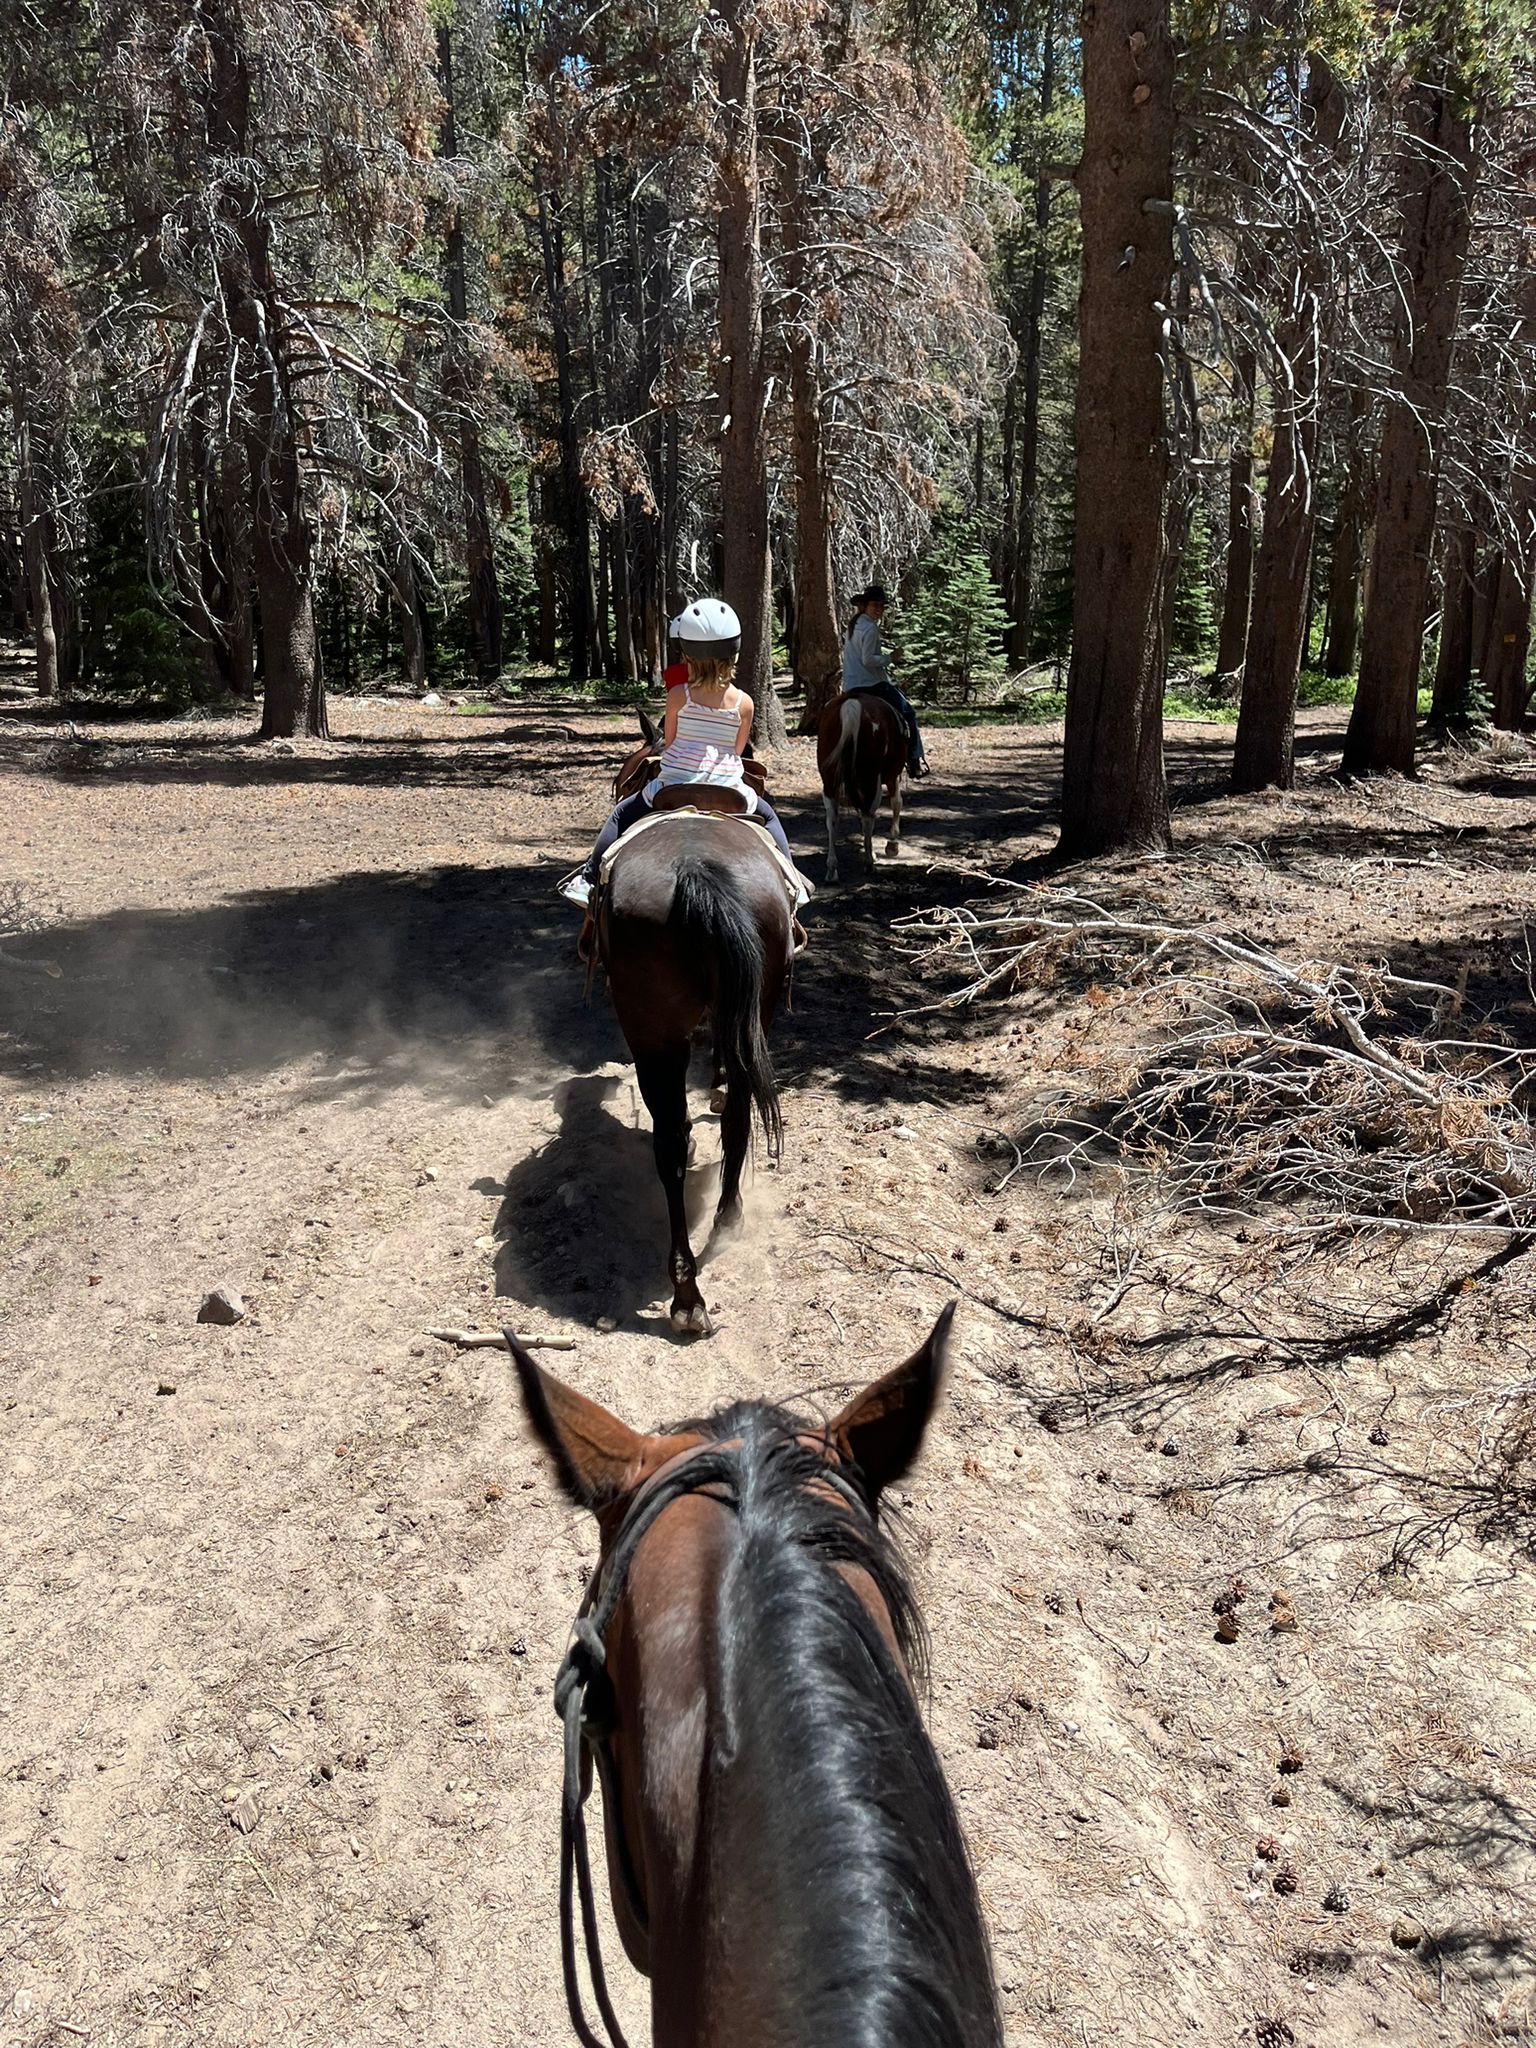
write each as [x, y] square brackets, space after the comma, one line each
[729, 1223]
[692, 1322]
[891, 849]
[717, 1100]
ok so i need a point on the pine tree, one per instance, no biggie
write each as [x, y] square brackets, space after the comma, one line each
[952, 635]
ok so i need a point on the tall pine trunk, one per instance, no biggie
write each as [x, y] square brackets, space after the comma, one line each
[746, 568]
[1458, 592]
[1509, 625]
[281, 525]
[45, 646]
[1435, 179]
[1237, 590]
[1020, 573]
[1114, 792]
[1341, 643]
[581, 605]
[817, 651]
[462, 382]
[1264, 752]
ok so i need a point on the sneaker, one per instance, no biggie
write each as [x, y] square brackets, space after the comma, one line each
[577, 889]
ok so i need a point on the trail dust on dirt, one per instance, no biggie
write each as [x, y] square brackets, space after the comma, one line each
[283, 1601]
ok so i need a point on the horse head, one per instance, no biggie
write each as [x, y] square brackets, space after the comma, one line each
[783, 1854]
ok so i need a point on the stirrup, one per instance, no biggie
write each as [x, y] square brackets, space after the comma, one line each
[576, 888]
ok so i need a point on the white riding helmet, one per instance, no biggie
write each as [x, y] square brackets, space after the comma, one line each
[709, 625]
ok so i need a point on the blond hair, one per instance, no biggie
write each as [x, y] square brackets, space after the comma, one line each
[707, 672]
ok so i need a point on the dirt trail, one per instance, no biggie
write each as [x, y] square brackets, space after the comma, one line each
[318, 1034]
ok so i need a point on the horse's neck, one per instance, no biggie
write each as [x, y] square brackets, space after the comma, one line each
[777, 1907]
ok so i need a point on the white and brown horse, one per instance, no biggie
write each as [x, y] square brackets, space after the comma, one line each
[861, 748]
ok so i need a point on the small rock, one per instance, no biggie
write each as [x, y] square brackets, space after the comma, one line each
[24, 2004]
[1406, 1933]
[223, 1305]
[607, 1324]
[166, 1387]
[431, 701]
[231, 1794]
[1069, 1727]
[284, 747]
[427, 1175]
[487, 1102]
[903, 1131]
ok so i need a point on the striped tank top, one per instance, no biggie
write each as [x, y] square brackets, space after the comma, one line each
[704, 746]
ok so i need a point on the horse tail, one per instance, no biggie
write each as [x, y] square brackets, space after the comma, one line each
[716, 914]
[844, 759]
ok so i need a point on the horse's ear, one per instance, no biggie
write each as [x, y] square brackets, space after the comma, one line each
[881, 1430]
[648, 730]
[597, 1457]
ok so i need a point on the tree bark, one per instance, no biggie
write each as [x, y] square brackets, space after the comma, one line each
[1435, 179]
[462, 385]
[746, 566]
[1114, 793]
[1237, 592]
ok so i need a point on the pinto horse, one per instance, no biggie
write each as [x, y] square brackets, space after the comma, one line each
[784, 1856]
[695, 921]
[861, 747]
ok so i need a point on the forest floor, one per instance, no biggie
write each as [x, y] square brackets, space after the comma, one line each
[317, 1033]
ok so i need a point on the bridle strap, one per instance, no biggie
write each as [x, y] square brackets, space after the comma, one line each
[585, 1704]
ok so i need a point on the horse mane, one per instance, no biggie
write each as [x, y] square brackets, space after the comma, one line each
[835, 1813]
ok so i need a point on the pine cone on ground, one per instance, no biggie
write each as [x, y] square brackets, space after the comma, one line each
[1285, 1881]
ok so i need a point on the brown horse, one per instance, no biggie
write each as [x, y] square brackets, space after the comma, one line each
[695, 922]
[784, 1856]
[861, 748]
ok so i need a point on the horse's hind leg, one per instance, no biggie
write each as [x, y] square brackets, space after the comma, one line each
[735, 1132]
[830, 804]
[663, 1078]
[717, 1083]
[893, 842]
[867, 820]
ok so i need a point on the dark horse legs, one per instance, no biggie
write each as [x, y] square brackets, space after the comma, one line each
[663, 1078]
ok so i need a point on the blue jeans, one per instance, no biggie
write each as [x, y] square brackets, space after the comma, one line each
[887, 690]
[634, 808]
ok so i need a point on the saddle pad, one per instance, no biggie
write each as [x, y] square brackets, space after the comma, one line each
[799, 886]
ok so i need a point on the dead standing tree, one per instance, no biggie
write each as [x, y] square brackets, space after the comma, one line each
[1113, 788]
[1436, 175]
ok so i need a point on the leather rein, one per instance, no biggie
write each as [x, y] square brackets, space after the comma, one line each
[587, 1706]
